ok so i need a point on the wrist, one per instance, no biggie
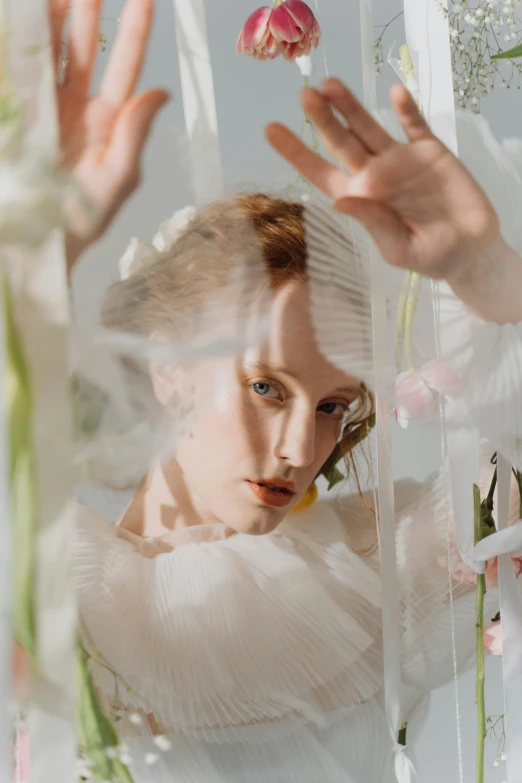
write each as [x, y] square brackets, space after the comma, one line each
[490, 284]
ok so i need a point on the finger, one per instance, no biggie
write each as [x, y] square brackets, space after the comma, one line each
[387, 230]
[410, 117]
[337, 138]
[83, 43]
[57, 11]
[128, 52]
[131, 131]
[316, 169]
[361, 122]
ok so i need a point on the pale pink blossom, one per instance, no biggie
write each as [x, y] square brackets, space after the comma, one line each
[291, 30]
[417, 393]
[493, 638]
[256, 38]
[295, 28]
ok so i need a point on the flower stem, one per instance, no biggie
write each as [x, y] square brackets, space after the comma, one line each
[479, 635]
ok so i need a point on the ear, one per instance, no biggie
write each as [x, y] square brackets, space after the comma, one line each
[164, 375]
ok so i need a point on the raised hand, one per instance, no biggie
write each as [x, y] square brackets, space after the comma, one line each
[422, 207]
[103, 136]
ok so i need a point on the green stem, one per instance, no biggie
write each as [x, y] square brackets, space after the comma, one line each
[479, 637]
[411, 308]
[400, 325]
[409, 299]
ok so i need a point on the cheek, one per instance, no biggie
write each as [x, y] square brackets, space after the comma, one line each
[222, 425]
[327, 437]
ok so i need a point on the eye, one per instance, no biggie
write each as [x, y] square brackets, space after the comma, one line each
[337, 409]
[263, 389]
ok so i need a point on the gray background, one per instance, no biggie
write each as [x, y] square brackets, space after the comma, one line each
[249, 94]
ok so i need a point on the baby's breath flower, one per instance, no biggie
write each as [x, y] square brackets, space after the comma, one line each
[162, 742]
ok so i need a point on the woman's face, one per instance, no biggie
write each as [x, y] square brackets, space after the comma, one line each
[263, 424]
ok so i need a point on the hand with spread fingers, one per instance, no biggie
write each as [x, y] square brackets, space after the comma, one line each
[422, 207]
[103, 136]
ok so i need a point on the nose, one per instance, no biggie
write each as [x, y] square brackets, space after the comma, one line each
[296, 442]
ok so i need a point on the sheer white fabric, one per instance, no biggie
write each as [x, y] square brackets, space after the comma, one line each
[260, 657]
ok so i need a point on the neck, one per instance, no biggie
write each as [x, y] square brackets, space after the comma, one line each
[161, 504]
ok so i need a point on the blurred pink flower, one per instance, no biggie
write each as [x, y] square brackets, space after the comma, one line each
[256, 38]
[295, 28]
[21, 755]
[291, 29]
[417, 392]
[467, 576]
[493, 638]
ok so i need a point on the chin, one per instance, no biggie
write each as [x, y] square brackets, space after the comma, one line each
[259, 524]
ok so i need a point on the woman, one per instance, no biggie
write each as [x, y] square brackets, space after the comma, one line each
[246, 638]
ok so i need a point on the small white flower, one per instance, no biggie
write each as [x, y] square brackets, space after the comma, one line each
[503, 756]
[468, 18]
[112, 752]
[479, 12]
[474, 100]
[507, 38]
[151, 758]
[454, 33]
[125, 759]
[504, 85]
[496, 763]
[136, 719]
[162, 742]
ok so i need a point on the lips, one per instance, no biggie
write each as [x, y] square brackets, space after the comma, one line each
[273, 492]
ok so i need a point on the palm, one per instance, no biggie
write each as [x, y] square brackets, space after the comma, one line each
[102, 137]
[422, 207]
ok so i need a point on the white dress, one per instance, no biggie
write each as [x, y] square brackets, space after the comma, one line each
[260, 657]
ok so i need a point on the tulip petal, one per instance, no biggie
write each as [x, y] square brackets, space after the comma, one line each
[255, 37]
[442, 378]
[412, 393]
[493, 638]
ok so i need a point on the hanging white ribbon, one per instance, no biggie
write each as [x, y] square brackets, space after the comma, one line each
[404, 770]
[40, 299]
[199, 103]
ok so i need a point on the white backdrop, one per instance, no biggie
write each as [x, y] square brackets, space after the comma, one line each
[250, 93]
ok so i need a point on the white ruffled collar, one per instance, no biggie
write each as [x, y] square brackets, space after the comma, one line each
[228, 632]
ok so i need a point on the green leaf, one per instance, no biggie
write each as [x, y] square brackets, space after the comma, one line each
[509, 54]
[519, 482]
[22, 481]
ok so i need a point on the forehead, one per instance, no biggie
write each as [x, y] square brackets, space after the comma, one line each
[291, 341]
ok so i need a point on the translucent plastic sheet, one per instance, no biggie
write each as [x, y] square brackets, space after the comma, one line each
[230, 637]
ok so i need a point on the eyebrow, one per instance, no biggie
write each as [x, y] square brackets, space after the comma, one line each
[277, 368]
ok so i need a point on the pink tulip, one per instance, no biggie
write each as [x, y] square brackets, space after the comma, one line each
[295, 28]
[493, 638]
[417, 393]
[291, 29]
[256, 38]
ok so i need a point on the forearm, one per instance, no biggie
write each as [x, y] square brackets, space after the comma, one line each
[492, 285]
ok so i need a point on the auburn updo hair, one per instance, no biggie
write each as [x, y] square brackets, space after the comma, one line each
[200, 261]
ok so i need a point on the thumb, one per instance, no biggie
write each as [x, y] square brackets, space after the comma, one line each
[132, 129]
[387, 230]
